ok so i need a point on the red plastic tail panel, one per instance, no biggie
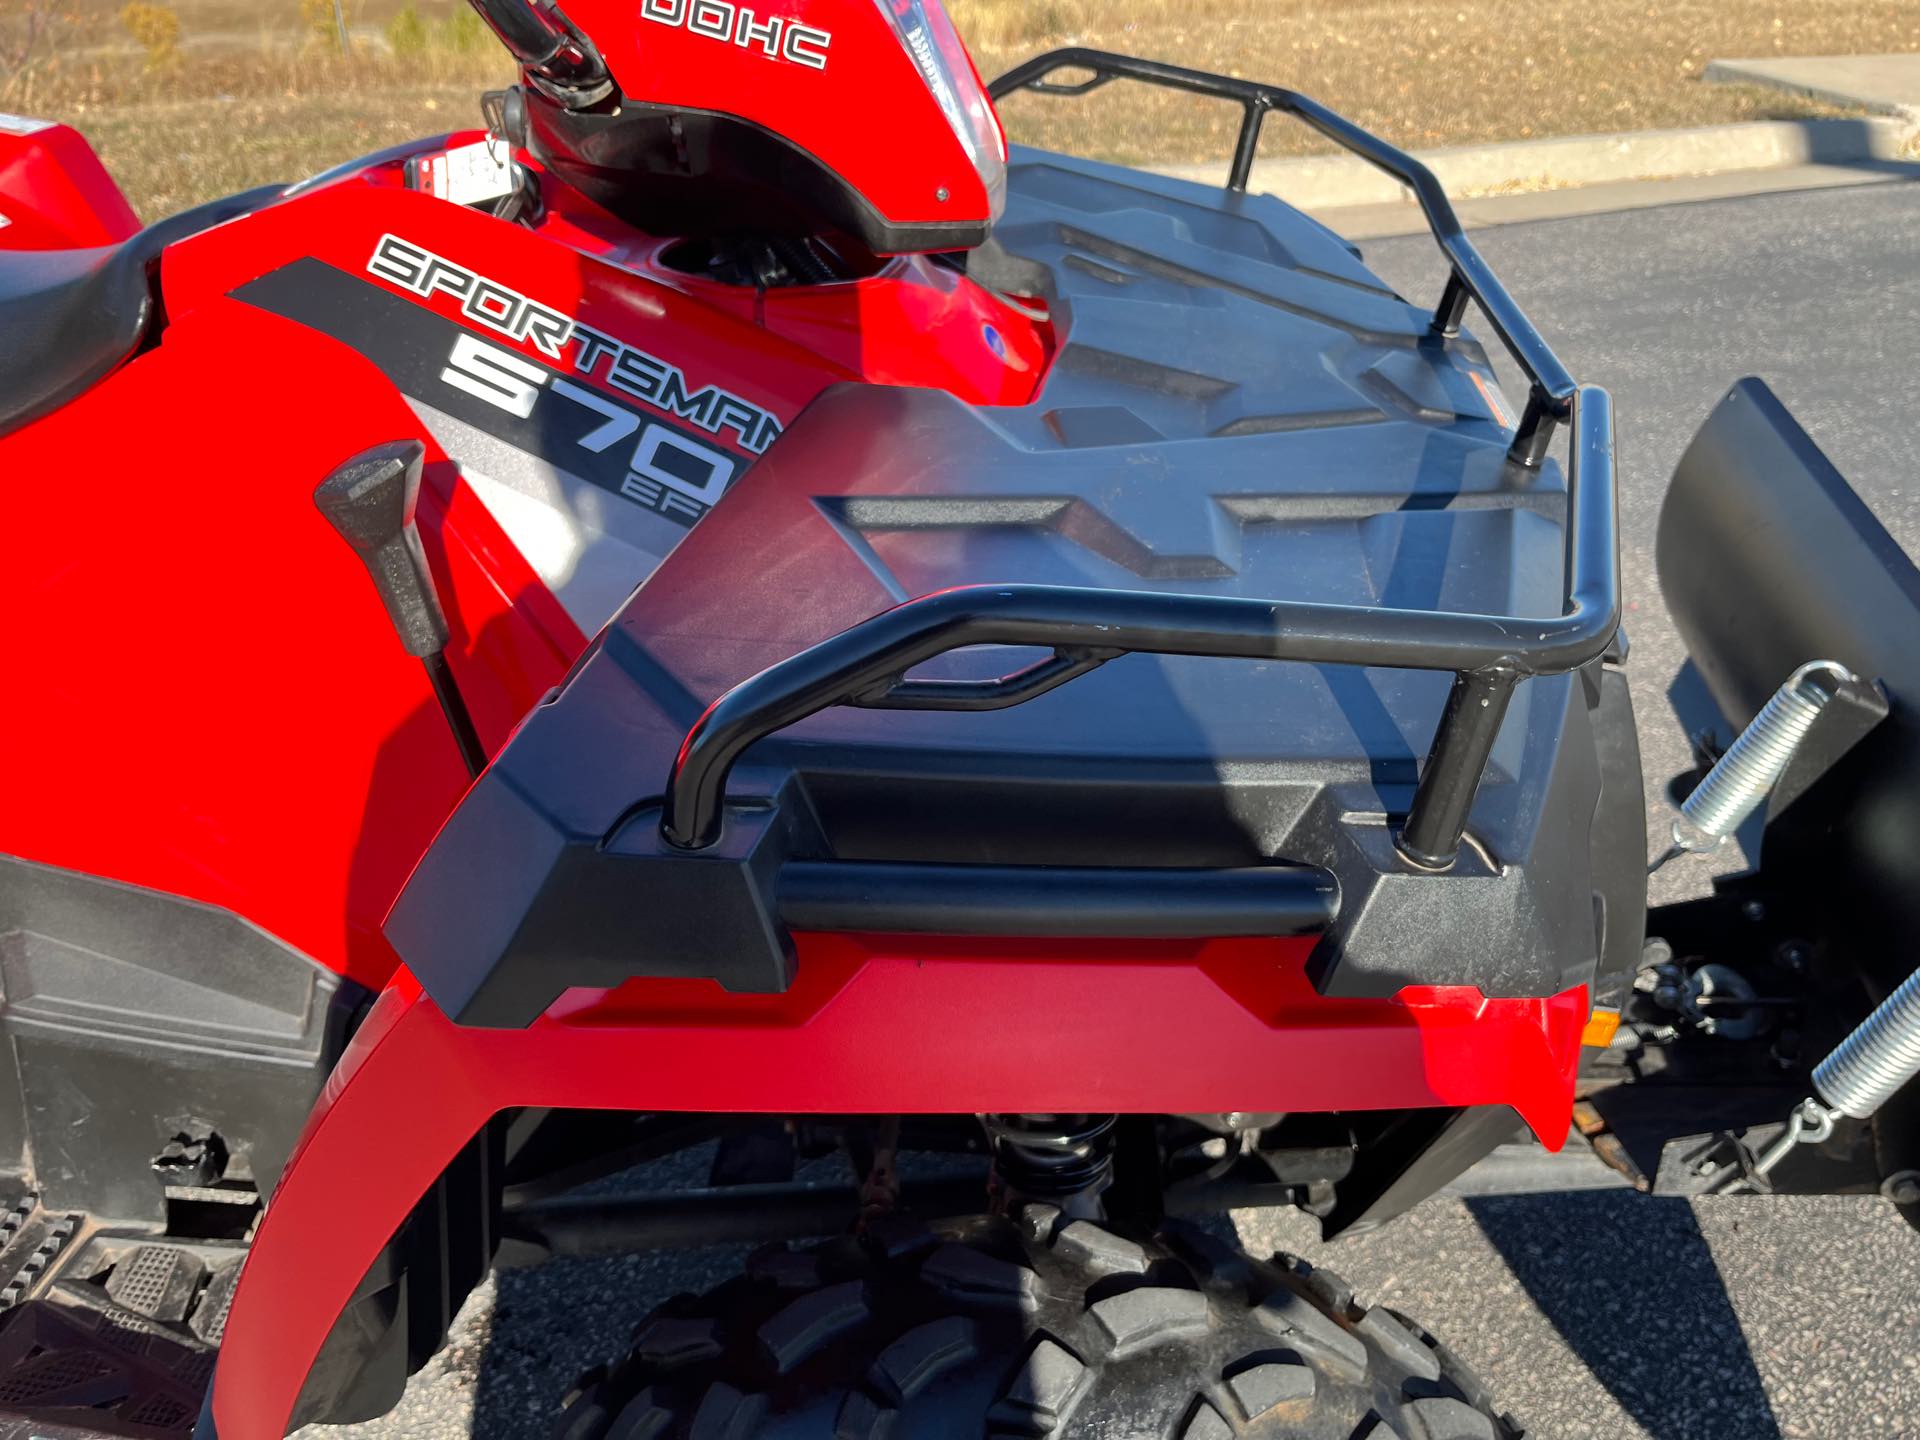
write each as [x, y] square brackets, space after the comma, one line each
[54, 192]
[909, 1025]
[221, 704]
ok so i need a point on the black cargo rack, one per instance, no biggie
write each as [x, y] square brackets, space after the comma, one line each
[867, 665]
[1551, 390]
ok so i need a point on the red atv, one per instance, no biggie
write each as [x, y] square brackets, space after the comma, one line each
[1052, 682]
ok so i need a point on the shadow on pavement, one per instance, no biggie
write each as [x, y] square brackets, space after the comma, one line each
[1631, 1285]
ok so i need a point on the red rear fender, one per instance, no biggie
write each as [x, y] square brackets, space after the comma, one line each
[914, 1026]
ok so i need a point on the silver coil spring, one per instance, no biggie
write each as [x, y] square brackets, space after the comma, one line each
[1745, 776]
[1876, 1060]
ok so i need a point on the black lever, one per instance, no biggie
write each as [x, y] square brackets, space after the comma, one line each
[370, 501]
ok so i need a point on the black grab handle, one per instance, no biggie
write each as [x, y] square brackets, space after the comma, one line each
[1489, 655]
[1038, 902]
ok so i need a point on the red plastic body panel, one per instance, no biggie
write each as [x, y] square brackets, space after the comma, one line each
[54, 192]
[929, 1026]
[288, 762]
[856, 101]
[914, 323]
[216, 706]
[214, 699]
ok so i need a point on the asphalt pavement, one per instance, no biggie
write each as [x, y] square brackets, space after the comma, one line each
[1596, 1315]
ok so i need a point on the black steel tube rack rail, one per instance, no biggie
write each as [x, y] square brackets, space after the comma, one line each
[868, 664]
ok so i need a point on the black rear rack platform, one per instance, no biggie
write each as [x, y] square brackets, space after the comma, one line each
[714, 774]
[1552, 395]
[1085, 628]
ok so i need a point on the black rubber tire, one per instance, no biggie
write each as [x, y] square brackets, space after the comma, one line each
[1035, 1328]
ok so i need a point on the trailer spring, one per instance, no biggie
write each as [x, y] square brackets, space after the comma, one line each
[1868, 1067]
[1743, 778]
[1864, 1071]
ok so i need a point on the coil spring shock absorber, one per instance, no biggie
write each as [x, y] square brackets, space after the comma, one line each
[1065, 1160]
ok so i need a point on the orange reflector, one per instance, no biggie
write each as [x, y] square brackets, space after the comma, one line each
[1601, 1029]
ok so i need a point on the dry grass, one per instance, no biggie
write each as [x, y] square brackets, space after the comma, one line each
[1426, 73]
[252, 96]
[237, 108]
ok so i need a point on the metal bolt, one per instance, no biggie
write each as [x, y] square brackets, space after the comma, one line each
[1754, 910]
[1902, 1187]
[1795, 955]
[1655, 976]
[943, 194]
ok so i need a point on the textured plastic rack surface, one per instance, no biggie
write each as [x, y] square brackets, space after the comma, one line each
[1552, 393]
[1489, 654]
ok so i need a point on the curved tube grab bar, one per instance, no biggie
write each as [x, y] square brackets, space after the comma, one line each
[1489, 653]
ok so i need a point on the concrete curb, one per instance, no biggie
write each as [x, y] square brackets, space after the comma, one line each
[1319, 182]
[1378, 222]
[1881, 84]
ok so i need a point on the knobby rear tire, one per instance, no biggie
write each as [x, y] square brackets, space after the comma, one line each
[1035, 1327]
